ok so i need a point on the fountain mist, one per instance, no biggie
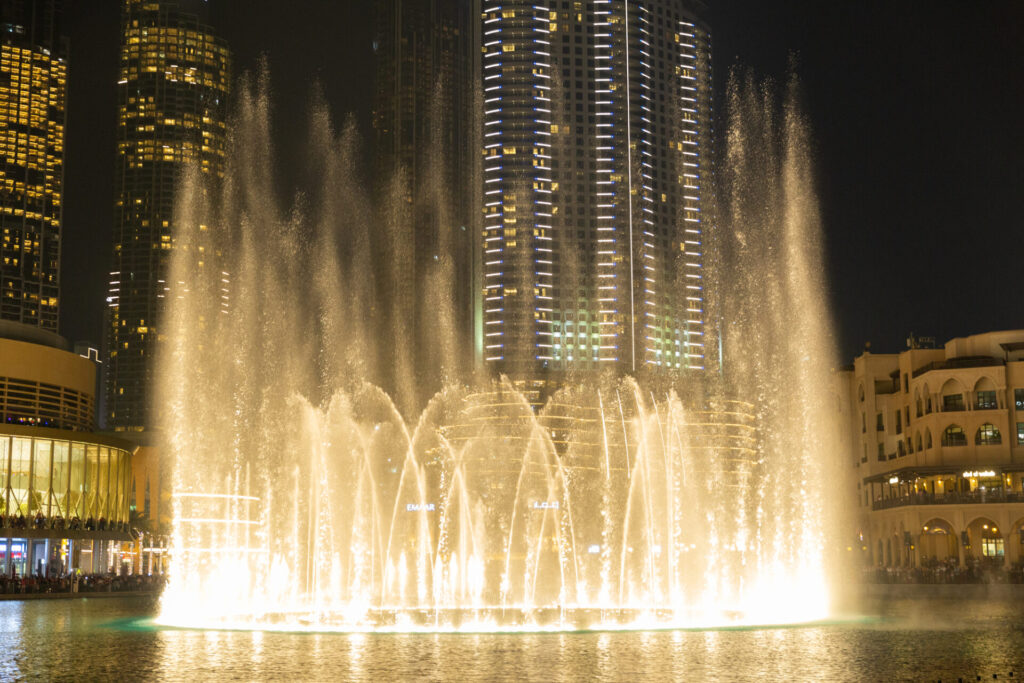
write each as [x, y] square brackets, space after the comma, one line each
[305, 498]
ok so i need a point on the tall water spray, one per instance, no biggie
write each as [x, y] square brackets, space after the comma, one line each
[304, 498]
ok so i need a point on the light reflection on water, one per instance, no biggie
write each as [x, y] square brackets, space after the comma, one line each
[913, 640]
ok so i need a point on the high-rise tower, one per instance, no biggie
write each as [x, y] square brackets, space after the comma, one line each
[33, 90]
[172, 113]
[596, 186]
[424, 87]
[424, 119]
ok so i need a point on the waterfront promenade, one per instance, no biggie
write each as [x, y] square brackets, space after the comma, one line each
[93, 585]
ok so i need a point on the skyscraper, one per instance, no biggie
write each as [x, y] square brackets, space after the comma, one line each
[33, 89]
[596, 186]
[172, 113]
[425, 150]
[424, 88]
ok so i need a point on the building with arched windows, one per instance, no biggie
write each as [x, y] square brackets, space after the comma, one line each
[939, 451]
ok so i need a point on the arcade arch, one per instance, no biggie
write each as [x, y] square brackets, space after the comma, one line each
[986, 541]
[937, 543]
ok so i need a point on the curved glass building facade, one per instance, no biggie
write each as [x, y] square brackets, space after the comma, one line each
[53, 479]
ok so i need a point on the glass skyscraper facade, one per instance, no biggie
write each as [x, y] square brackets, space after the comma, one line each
[172, 114]
[596, 186]
[33, 91]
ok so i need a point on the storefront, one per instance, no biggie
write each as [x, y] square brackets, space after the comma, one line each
[64, 501]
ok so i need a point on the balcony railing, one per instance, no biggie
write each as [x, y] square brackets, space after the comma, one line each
[952, 498]
[967, 362]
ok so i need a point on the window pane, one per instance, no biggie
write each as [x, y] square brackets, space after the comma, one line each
[103, 485]
[987, 435]
[78, 482]
[4, 453]
[91, 473]
[954, 436]
[40, 501]
[21, 463]
[992, 547]
[60, 477]
[986, 400]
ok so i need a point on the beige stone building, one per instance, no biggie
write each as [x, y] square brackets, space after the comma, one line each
[938, 451]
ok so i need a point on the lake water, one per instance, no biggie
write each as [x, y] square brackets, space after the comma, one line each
[105, 639]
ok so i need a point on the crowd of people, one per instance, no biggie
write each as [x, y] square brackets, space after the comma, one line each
[41, 521]
[947, 571]
[80, 583]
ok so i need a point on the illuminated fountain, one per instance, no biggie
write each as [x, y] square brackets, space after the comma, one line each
[304, 500]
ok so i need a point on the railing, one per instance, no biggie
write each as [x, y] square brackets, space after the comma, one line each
[982, 362]
[952, 498]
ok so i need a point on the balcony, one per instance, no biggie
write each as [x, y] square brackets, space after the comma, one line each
[952, 498]
[953, 406]
[956, 363]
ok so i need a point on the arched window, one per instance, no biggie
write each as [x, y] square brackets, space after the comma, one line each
[954, 436]
[927, 438]
[900, 449]
[952, 397]
[860, 393]
[918, 440]
[988, 435]
[910, 445]
[985, 395]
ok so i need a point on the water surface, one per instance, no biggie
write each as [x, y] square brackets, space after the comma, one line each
[106, 638]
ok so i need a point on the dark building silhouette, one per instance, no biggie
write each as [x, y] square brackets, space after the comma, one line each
[33, 93]
[425, 144]
[172, 114]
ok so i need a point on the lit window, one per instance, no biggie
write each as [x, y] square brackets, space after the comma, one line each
[988, 435]
[986, 400]
[992, 547]
[954, 436]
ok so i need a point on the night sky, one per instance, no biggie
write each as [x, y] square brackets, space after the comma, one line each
[917, 110]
